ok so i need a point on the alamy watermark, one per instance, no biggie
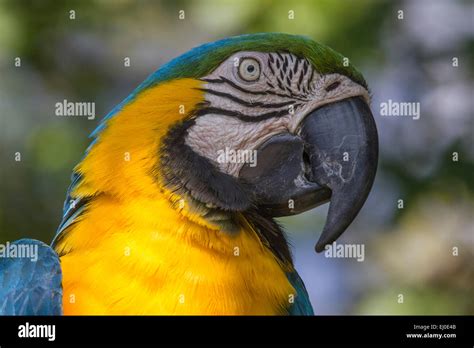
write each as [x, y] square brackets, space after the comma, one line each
[345, 251]
[67, 108]
[28, 330]
[27, 251]
[229, 155]
[406, 109]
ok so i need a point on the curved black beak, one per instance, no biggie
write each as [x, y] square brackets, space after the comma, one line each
[333, 157]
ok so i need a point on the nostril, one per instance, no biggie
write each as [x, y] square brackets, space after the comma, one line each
[307, 164]
[332, 86]
[306, 157]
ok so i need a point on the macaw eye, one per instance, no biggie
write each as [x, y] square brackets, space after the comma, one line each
[249, 69]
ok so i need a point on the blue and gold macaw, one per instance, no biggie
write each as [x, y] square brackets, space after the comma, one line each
[171, 210]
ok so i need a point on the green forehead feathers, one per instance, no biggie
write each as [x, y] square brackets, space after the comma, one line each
[202, 60]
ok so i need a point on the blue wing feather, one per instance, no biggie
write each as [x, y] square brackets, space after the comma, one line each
[302, 304]
[29, 287]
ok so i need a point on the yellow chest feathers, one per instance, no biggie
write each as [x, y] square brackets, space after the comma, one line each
[144, 265]
[133, 252]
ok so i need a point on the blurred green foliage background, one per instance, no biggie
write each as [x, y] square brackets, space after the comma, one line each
[409, 251]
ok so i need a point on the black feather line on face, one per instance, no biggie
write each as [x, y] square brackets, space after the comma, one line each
[270, 66]
[244, 102]
[188, 172]
[308, 85]
[295, 67]
[285, 63]
[300, 80]
[280, 83]
[222, 79]
[305, 67]
[241, 116]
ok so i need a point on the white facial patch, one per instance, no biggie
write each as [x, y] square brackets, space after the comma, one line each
[244, 111]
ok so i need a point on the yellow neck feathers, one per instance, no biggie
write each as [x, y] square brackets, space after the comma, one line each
[138, 250]
[126, 152]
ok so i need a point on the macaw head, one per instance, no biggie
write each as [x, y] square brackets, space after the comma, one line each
[263, 124]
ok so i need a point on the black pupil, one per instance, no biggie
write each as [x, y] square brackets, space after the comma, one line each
[250, 68]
